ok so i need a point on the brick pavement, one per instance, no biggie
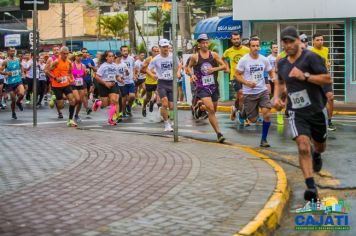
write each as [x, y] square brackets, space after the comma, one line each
[80, 182]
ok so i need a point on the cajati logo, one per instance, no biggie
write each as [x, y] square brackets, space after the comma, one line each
[328, 213]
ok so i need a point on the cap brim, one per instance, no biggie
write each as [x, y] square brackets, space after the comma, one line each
[289, 37]
[164, 45]
[202, 40]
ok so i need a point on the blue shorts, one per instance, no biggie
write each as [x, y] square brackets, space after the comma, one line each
[128, 88]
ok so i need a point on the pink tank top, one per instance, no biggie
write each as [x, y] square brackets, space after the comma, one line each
[78, 74]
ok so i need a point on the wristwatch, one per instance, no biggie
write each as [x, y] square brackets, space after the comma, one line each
[306, 75]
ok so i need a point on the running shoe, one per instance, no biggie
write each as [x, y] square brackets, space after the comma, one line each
[134, 104]
[19, 105]
[246, 123]
[331, 127]
[89, 110]
[144, 112]
[77, 119]
[264, 143]
[197, 113]
[168, 127]
[128, 110]
[317, 162]
[138, 102]
[232, 113]
[2, 106]
[52, 101]
[221, 138]
[60, 115]
[311, 193]
[118, 120]
[45, 98]
[71, 123]
[280, 119]
[96, 105]
[38, 105]
[151, 106]
[205, 115]
[171, 115]
[111, 122]
[241, 120]
[14, 116]
[260, 119]
[28, 102]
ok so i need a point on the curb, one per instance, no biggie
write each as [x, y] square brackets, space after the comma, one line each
[266, 221]
[227, 109]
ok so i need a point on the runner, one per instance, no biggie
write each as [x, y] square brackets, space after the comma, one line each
[107, 77]
[2, 83]
[250, 73]
[12, 69]
[79, 72]
[123, 71]
[304, 75]
[161, 69]
[26, 64]
[150, 83]
[234, 54]
[323, 52]
[141, 77]
[304, 39]
[42, 81]
[206, 65]
[61, 72]
[129, 90]
[88, 79]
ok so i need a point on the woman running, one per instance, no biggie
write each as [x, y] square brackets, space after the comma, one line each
[79, 72]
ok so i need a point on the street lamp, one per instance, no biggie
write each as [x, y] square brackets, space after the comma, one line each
[13, 17]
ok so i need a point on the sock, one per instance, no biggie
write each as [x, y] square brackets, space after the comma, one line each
[310, 182]
[112, 111]
[71, 111]
[265, 128]
[329, 121]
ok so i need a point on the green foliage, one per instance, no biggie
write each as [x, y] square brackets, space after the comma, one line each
[212, 46]
[160, 17]
[141, 48]
[115, 25]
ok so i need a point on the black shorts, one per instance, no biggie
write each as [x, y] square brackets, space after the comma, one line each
[2, 81]
[151, 87]
[311, 125]
[203, 93]
[104, 91]
[12, 87]
[165, 89]
[328, 88]
[236, 85]
[78, 87]
[139, 82]
[24, 81]
[87, 83]
[59, 91]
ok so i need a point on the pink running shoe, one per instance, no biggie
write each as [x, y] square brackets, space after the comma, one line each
[112, 122]
[96, 105]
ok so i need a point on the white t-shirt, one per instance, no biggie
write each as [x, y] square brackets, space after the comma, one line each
[130, 62]
[272, 61]
[253, 70]
[28, 66]
[121, 71]
[163, 67]
[138, 66]
[108, 72]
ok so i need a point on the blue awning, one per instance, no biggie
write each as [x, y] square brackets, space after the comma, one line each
[218, 27]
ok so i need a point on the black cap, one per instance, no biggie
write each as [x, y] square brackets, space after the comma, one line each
[289, 33]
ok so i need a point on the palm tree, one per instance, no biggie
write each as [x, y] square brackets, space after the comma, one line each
[156, 16]
[115, 25]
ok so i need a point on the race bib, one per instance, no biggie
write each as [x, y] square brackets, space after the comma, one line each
[300, 99]
[63, 79]
[78, 81]
[15, 73]
[111, 77]
[257, 76]
[42, 76]
[208, 80]
[167, 75]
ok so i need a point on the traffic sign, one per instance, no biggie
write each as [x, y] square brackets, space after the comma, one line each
[28, 4]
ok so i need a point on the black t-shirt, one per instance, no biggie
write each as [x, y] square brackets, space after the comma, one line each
[304, 97]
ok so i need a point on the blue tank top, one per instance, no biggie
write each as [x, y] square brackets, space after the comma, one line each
[15, 69]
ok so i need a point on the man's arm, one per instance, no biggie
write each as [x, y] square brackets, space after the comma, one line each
[222, 65]
[227, 70]
[193, 61]
[239, 77]
[278, 103]
[3, 67]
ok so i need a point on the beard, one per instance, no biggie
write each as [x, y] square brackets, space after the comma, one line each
[238, 44]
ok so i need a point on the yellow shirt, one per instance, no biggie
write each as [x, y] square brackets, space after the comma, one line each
[323, 53]
[149, 80]
[235, 55]
[283, 54]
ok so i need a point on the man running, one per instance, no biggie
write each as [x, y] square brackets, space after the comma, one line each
[206, 65]
[61, 72]
[129, 90]
[250, 73]
[12, 69]
[141, 77]
[88, 80]
[323, 52]
[234, 54]
[150, 83]
[161, 69]
[26, 64]
[304, 74]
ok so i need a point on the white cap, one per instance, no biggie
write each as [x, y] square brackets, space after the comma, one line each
[164, 42]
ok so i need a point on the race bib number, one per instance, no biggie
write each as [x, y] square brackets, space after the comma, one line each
[42, 76]
[111, 77]
[167, 75]
[208, 80]
[257, 76]
[63, 79]
[15, 73]
[299, 99]
[78, 81]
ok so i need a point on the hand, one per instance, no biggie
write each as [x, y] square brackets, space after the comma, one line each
[250, 84]
[227, 71]
[278, 104]
[120, 79]
[8, 73]
[194, 78]
[295, 72]
[155, 77]
[109, 84]
[211, 70]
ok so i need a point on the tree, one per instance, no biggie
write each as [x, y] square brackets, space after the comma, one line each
[160, 17]
[115, 25]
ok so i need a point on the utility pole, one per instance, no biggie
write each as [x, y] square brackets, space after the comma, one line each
[132, 25]
[175, 68]
[63, 21]
[184, 22]
[34, 58]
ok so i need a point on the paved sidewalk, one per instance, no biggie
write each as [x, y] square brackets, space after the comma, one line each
[56, 181]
